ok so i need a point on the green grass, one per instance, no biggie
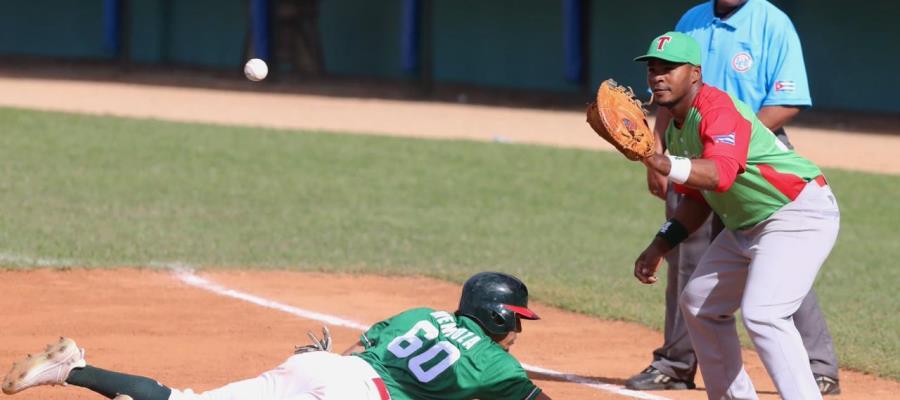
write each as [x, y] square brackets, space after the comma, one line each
[112, 191]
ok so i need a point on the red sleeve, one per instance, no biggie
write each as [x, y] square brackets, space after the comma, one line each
[689, 192]
[725, 134]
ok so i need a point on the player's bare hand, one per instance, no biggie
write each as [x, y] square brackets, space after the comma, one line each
[657, 183]
[647, 264]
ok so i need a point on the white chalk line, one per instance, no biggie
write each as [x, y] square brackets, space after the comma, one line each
[190, 278]
[185, 273]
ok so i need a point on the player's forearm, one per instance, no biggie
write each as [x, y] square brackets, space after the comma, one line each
[774, 117]
[356, 348]
[689, 216]
[703, 173]
[692, 213]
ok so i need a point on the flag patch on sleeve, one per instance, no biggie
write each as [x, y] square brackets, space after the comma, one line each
[727, 138]
[785, 86]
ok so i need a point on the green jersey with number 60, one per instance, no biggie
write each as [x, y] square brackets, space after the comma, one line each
[435, 355]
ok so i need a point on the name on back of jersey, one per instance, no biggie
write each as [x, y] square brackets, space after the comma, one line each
[466, 338]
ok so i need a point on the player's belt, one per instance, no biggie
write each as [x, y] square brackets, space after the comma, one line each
[382, 389]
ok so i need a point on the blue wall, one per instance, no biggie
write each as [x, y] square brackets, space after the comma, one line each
[53, 28]
[362, 38]
[851, 53]
[501, 43]
[210, 33]
[195, 32]
[497, 43]
[509, 43]
[148, 33]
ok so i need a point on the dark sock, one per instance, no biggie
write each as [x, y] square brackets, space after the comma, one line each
[111, 384]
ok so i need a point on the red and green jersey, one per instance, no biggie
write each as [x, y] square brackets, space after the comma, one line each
[757, 174]
[426, 354]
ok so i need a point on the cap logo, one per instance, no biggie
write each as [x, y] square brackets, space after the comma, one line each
[742, 62]
[661, 45]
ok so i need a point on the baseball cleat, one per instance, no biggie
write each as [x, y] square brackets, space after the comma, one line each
[827, 385]
[653, 379]
[51, 367]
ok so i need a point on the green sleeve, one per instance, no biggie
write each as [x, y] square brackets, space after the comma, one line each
[370, 337]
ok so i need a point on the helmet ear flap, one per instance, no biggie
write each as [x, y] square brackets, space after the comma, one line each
[504, 319]
[498, 318]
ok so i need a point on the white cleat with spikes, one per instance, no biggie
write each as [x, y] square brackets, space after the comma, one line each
[52, 367]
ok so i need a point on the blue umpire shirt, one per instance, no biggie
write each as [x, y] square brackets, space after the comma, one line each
[755, 54]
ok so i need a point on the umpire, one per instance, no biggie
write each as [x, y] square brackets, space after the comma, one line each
[751, 50]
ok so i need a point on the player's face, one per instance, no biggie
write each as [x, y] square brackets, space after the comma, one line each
[729, 4]
[670, 82]
[507, 341]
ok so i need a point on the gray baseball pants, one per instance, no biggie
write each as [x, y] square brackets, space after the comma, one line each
[676, 355]
[766, 271]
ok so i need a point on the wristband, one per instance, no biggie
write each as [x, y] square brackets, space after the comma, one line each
[680, 170]
[673, 232]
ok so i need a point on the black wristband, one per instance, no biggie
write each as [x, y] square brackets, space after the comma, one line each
[673, 232]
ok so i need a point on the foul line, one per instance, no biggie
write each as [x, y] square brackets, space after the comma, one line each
[190, 278]
[186, 275]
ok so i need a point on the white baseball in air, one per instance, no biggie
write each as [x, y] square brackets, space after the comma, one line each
[256, 69]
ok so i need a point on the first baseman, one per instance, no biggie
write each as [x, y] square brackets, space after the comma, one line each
[421, 353]
[750, 49]
[781, 222]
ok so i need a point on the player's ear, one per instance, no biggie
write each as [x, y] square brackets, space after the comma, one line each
[696, 73]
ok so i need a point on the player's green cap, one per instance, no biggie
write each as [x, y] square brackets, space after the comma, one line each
[674, 47]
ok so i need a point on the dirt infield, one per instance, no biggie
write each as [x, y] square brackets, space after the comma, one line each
[146, 321]
[149, 322]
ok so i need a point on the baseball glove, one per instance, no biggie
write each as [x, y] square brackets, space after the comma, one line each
[317, 344]
[619, 118]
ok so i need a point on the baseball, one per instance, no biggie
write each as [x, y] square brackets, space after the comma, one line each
[256, 69]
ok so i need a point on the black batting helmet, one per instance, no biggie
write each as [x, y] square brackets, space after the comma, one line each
[494, 299]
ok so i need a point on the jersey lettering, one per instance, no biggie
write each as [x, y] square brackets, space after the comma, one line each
[463, 336]
[425, 376]
[403, 346]
[407, 344]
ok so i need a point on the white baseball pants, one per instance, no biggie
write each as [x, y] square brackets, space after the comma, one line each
[766, 270]
[315, 375]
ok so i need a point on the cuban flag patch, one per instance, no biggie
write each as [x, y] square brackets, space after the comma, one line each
[785, 86]
[727, 138]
